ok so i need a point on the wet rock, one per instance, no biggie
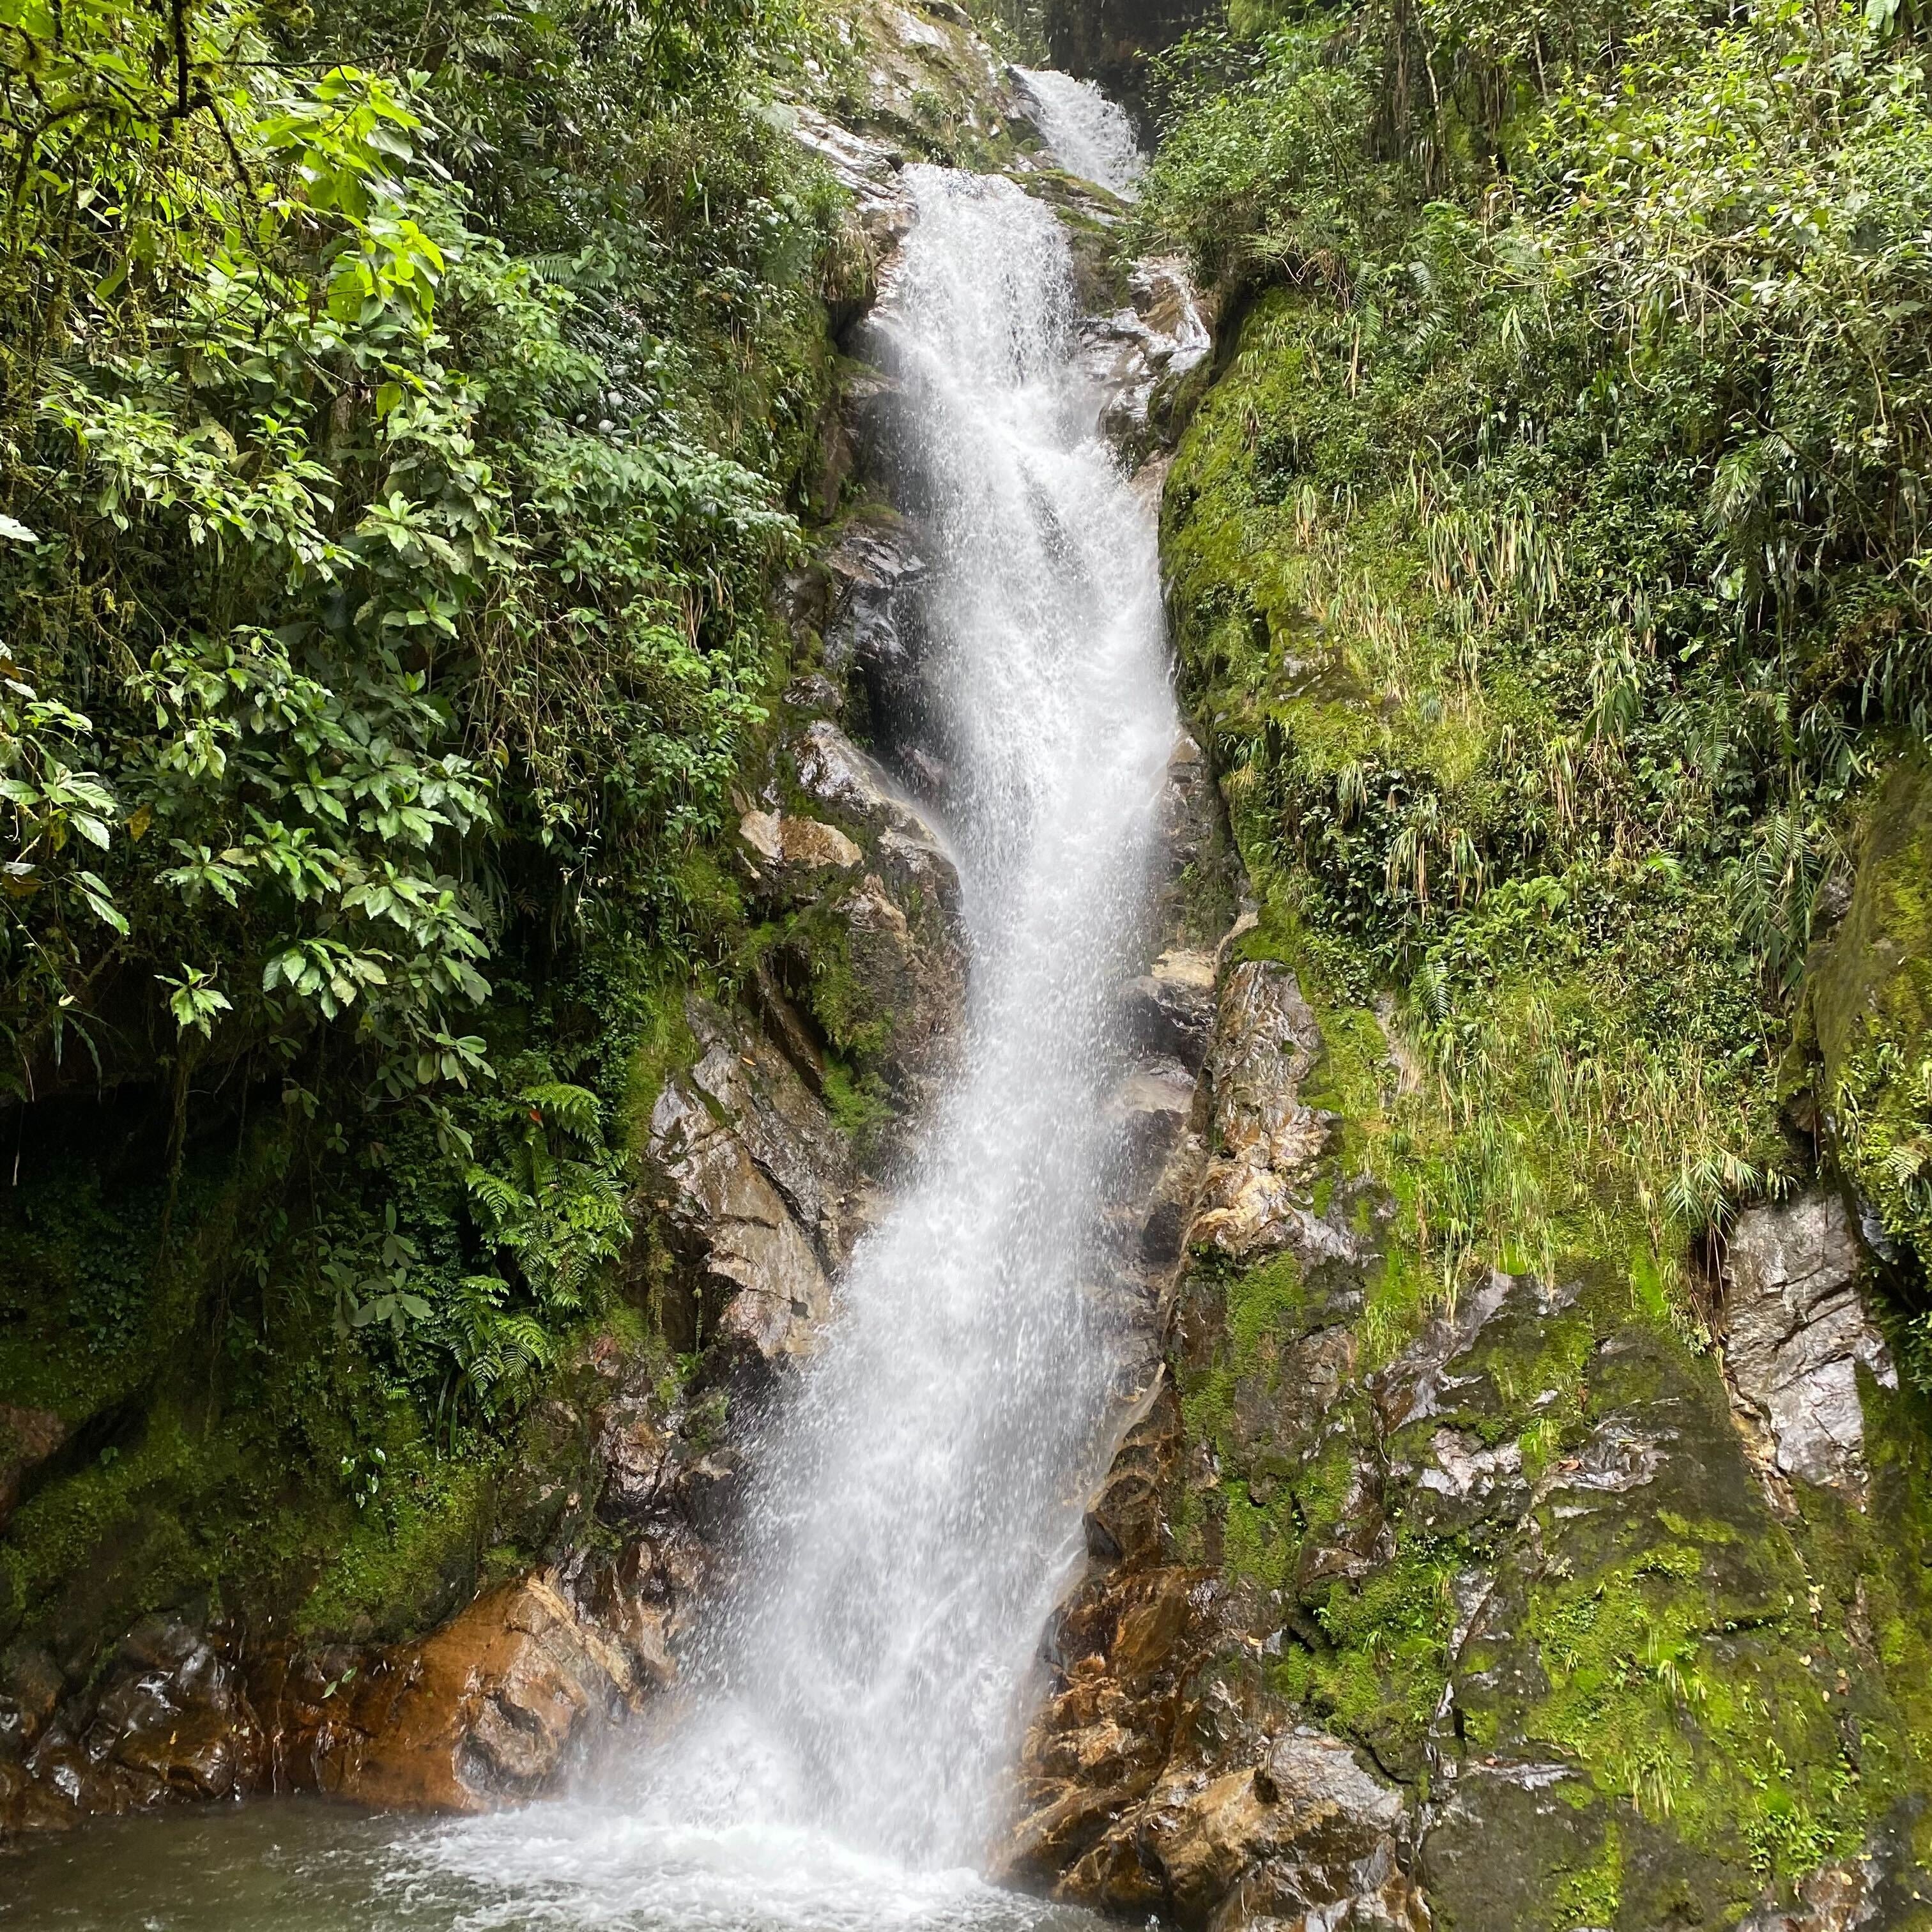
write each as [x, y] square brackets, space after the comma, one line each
[903, 938]
[1141, 356]
[1797, 1333]
[873, 629]
[932, 87]
[1169, 1011]
[1307, 1836]
[167, 1720]
[1197, 896]
[1120, 1647]
[754, 1181]
[870, 169]
[1124, 1523]
[793, 853]
[1149, 1108]
[1836, 1898]
[757, 1093]
[1255, 1198]
[763, 1276]
[27, 1437]
[487, 1709]
[636, 1452]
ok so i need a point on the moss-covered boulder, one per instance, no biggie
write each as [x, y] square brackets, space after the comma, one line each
[1870, 1010]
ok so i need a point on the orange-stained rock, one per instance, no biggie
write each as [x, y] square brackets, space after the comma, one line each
[488, 1709]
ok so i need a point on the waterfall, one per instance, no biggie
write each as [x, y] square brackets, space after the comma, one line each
[915, 1502]
[1090, 135]
[919, 1502]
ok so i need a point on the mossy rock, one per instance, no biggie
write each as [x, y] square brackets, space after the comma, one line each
[1869, 1005]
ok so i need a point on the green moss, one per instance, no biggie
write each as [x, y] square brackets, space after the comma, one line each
[1593, 1894]
[1869, 1002]
[413, 1552]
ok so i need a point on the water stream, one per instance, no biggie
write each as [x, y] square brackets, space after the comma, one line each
[841, 1757]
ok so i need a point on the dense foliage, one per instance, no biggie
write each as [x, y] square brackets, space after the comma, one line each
[401, 410]
[1561, 556]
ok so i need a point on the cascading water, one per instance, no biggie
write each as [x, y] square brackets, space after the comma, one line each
[1090, 135]
[919, 1502]
[838, 1765]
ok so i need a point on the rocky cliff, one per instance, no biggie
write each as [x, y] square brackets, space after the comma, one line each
[1525, 1614]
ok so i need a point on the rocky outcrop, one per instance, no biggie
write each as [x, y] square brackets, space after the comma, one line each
[487, 1710]
[1797, 1334]
[169, 1718]
[1255, 1196]
[756, 1184]
[1149, 357]
[1364, 1624]
[873, 945]
[1142, 1790]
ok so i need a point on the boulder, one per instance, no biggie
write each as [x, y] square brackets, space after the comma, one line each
[793, 853]
[167, 1719]
[1797, 1333]
[1306, 1836]
[488, 1709]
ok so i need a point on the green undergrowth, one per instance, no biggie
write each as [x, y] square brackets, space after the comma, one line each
[398, 462]
[1573, 1056]
[1593, 834]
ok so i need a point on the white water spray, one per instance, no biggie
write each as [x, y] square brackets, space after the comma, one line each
[919, 1504]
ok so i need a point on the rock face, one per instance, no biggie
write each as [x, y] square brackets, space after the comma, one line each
[1797, 1335]
[1255, 1196]
[169, 1719]
[756, 1182]
[1373, 1634]
[1145, 354]
[878, 954]
[485, 1710]
[1139, 1793]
